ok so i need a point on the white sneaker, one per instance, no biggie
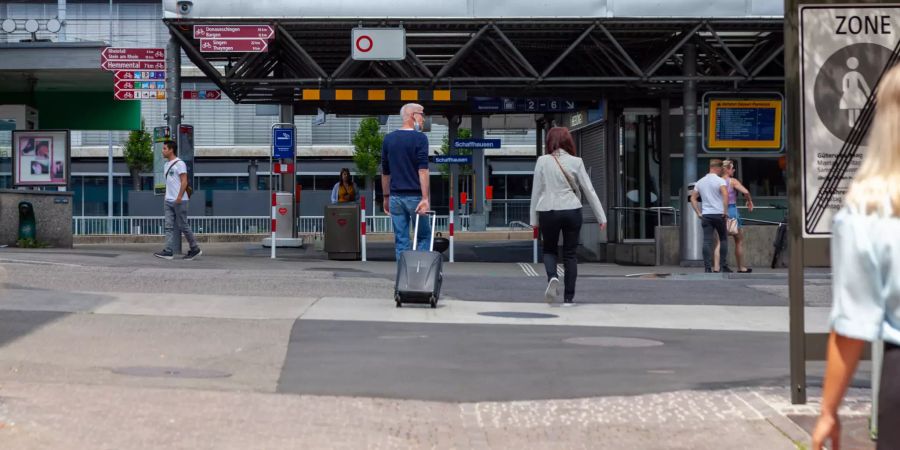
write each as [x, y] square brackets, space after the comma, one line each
[552, 290]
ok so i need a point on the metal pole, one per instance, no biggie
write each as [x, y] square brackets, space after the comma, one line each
[452, 133]
[478, 165]
[795, 203]
[289, 181]
[691, 250]
[109, 154]
[61, 16]
[173, 100]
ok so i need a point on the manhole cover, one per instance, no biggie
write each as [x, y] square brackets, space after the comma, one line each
[613, 342]
[518, 315]
[170, 372]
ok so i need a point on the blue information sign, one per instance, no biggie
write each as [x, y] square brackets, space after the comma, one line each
[521, 105]
[476, 143]
[453, 159]
[283, 143]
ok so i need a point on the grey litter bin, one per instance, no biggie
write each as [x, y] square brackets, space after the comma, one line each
[284, 213]
[342, 231]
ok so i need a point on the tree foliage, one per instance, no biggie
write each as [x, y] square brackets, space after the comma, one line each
[367, 149]
[138, 153]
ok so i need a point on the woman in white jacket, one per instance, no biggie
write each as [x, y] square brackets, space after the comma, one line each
[559, 183]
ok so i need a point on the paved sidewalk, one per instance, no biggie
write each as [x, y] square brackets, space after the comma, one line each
[52, 416]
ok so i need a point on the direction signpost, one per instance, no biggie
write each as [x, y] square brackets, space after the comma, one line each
[234, 38]
[234, 32]
[208, 94]
[234, 45]
[139, 72]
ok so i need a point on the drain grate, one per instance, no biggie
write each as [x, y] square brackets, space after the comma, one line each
[169, 372]
[613, 342]
[518, 315]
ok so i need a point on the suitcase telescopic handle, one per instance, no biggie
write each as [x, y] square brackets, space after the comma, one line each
[416, 231]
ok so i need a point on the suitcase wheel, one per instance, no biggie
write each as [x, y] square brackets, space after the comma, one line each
[397, 300]
[433, 301]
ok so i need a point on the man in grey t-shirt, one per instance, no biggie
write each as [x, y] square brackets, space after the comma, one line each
[712, 189]
[175, 205]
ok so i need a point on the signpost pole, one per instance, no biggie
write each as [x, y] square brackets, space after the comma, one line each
[362, 226]
[794, 185]
[289, 180]
[450, 230]
[109, 157]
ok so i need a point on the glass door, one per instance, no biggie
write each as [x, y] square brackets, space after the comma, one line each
[639, 164]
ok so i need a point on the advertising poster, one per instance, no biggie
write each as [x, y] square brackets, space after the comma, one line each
[40, 158]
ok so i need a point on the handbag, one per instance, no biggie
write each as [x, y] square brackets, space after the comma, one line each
[732, 226]
[572, 184]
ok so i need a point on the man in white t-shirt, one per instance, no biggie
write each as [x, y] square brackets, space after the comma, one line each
[175, 205]
[713, 191]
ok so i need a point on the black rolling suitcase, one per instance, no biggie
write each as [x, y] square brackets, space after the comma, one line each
[419, 274]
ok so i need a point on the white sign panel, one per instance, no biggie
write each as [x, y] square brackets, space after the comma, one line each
[369, 44]
[843, 52]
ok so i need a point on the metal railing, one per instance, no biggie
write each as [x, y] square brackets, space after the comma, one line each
[155, 225]
[504, 212]
[658, 211]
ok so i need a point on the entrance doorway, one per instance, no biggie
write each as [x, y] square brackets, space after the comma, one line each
[639, 166]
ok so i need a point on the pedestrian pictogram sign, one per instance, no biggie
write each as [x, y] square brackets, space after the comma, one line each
[378, 44]
[844, 51]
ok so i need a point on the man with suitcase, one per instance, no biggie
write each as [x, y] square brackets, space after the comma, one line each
[404, 178]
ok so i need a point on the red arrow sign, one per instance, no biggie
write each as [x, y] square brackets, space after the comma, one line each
[124, 75]
[211, 94]
[138, 94]
[133, 54]
[124, 85]
[124, 95]
[233, 45]
[113, 66]
[233, 32]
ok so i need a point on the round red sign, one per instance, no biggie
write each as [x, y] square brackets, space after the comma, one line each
[364, 43]
[282, 211]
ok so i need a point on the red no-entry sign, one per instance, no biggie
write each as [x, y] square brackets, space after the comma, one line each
[364, 43]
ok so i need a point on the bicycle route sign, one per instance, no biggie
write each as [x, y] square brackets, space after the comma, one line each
[844, 49]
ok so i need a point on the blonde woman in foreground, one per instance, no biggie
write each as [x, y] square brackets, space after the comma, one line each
[865, 256]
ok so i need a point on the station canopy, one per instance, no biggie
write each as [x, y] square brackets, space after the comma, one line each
[582, 50]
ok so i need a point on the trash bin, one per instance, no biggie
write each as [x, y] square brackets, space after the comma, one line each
[691, 231]
[284, 214]
[27, 225]
[342, 231]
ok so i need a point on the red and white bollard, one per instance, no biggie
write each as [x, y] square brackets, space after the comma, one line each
[535, 243]
[452, 208]
[362, 225]
[274, 222]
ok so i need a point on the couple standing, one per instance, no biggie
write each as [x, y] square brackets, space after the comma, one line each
[717, 192]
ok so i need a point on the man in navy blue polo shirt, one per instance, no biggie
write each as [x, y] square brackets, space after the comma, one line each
[404, 178]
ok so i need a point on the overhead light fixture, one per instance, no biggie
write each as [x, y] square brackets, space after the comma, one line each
[9, 25]
[32, 26]
[54, 25]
